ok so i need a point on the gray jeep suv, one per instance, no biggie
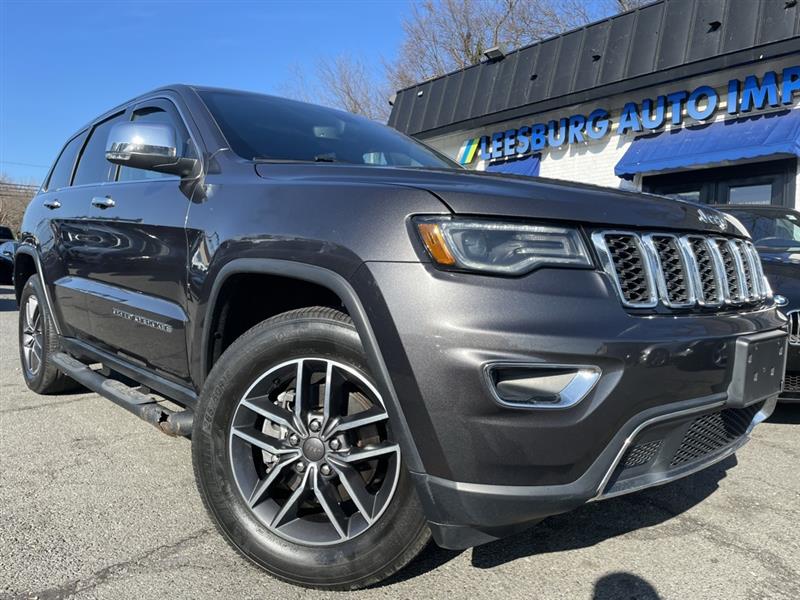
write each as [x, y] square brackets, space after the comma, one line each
[369, 345]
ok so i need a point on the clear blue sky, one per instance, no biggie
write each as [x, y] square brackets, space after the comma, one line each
[63, 63]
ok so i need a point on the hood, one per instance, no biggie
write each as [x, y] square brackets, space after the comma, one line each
[501, 195]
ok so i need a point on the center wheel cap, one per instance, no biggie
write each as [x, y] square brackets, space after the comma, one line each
[314, 449]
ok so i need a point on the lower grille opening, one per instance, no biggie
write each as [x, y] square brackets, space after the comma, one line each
[666, 450]
[710, 433]
[791, 382]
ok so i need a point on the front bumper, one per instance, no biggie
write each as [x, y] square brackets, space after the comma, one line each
[490, 469]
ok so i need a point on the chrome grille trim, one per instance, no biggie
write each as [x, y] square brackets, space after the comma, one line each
[666, 284]
[794, 327]
[607, 259]
[681, 271]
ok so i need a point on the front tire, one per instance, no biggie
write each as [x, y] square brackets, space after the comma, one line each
[38, 341]
[295, 460]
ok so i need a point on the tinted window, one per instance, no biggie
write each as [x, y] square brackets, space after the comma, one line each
[63, 169]
[185, 147]
[780, 230]
[93, 166]
[270, 128]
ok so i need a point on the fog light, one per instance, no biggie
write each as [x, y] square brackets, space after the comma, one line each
[534, 385]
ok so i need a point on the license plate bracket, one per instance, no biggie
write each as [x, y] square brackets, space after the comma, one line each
[758, 368]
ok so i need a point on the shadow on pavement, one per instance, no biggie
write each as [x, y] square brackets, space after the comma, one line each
[623, 585]
[586, 527]
[786, 413]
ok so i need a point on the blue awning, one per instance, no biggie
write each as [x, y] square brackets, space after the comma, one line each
[528, 165]
[736, 139]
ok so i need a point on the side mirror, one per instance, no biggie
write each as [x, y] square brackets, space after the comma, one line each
[149, 146]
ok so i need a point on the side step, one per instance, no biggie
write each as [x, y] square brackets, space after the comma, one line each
[143, 406]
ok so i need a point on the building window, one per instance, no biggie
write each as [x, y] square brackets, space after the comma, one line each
[756, 183]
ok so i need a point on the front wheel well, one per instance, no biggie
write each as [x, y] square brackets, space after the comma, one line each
[24, 268]
[247, 299]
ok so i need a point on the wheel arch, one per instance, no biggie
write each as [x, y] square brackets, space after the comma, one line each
[27, 263]
[341, 288]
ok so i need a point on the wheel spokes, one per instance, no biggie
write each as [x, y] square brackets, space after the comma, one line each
[328, 475]
[358, 454]
[288, 511]
[263, 485]
[356, 488]
[261, 440]
[264, 406]
[375, 414]
[331, 505]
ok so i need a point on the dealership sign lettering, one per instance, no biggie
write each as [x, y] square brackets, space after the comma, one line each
[702, 103]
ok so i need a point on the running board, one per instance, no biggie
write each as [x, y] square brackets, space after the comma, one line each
[143, 406]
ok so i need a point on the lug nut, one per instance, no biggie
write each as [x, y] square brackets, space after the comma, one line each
[294, 440]
[315, 425]
[325, 470]
[335, 444]
[301, 467]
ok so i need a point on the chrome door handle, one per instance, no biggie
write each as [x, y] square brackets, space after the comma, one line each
[52, 204]
[102, 202]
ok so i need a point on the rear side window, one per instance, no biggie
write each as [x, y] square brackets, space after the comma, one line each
[62, 170]
[93, 166]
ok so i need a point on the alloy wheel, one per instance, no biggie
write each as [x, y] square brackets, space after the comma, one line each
[32, 335]
[310, 451]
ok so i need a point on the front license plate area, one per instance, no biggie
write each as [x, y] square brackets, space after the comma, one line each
[758, 368]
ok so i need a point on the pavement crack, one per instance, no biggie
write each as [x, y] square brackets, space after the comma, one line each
[77, 586]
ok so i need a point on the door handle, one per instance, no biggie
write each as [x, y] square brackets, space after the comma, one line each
[52, 204]
[102, 202]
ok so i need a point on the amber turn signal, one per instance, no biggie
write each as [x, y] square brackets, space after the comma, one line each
[434, 242]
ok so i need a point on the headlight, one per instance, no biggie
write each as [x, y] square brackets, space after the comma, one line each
[503, 248]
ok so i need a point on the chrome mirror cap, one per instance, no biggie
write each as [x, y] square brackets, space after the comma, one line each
[150, 146]
[129, 142]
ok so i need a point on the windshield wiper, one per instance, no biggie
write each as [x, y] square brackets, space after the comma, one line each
[327, 157]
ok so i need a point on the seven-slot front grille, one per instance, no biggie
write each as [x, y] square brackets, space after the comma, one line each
[682, 271]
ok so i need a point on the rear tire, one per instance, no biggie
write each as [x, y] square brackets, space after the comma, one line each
[295, 548]
[37, 343]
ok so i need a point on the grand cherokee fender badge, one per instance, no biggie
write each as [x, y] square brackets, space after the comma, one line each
[712, 219]
[142, 320]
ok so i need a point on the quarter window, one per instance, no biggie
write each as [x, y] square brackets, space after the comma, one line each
[62, 171]
[93, 166]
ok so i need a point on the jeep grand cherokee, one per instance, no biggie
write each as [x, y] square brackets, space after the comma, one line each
[370, 346]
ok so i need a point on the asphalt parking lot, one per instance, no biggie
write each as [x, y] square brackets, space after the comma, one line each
[97, 504]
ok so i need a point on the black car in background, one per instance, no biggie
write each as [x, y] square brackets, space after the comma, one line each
[776, 234]
[7, 249]
[5, 234]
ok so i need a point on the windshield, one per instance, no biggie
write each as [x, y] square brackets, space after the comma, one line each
[259, 127]
[775, 230]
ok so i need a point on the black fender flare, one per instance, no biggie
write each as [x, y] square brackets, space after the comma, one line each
[30, 250]
[337, 284]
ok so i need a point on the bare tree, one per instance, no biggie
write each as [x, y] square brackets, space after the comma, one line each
[342, 82]
[14, 199]
[442, 36]
[351, 86]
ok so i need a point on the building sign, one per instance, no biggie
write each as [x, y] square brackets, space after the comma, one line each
[701, 104]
